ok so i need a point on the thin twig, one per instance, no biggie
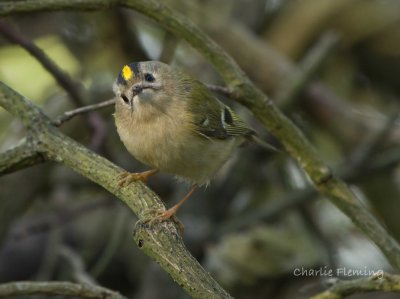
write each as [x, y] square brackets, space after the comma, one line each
[366, 148]
[312, 226]
[267, 212]
[170, 43]
[78, 267]
[74, 89]
[62, 78]
[50, 259]
[31, 288]
[128, 35]
[116, 237]
[42, 223]
[85, 109]
[292, 87]
[223, 90]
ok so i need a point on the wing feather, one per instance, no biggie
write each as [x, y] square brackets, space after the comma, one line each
[213, 119]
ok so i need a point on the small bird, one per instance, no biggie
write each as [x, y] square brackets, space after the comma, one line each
[170, 121]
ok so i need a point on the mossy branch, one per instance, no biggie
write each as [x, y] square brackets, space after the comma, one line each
[29, 288]
[378, 283]
[249, 95]
[19, 157]
[161, 241]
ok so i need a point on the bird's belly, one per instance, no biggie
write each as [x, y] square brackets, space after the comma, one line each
[179, 152]
[198, 160]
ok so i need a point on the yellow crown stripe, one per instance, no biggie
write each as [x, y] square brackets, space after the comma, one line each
[127, 72]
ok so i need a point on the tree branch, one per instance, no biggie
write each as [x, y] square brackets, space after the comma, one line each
[22, 156]
[161, 241]
[377, 283]
[355, 169]
[31, 288]
[26, 154]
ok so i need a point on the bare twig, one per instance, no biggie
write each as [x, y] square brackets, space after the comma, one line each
[170, 43]
[85, 109]
[44, 222]
[63, 79]
[223, 90]
[73, 89]
[116, 237]
[128, 36]
[30, 288]
[308, 67]
[319, 235]
[50, 259]
[364, 150]
[77, 265]
[381, 282]
[268, 211]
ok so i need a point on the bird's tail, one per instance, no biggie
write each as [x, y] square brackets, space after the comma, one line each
[264, 144]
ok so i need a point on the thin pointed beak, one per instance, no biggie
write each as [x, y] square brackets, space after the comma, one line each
[137, 88]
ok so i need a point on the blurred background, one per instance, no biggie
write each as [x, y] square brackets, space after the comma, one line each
[333, 66]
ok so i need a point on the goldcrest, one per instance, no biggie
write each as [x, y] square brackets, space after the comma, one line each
[170, 121]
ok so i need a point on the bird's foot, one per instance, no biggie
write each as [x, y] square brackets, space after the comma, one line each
[155, 216]
[126, 178]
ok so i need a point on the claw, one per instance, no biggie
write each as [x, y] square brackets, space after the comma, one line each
[126, 178]
[155, 216]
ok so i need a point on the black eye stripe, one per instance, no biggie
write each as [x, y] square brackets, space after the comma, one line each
[149, 77]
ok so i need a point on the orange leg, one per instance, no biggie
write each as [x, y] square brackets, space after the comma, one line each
[128, 177]
[172, 211]
[156, 215]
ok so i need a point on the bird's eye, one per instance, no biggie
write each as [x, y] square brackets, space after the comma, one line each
[125, 99]
[149, 77]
